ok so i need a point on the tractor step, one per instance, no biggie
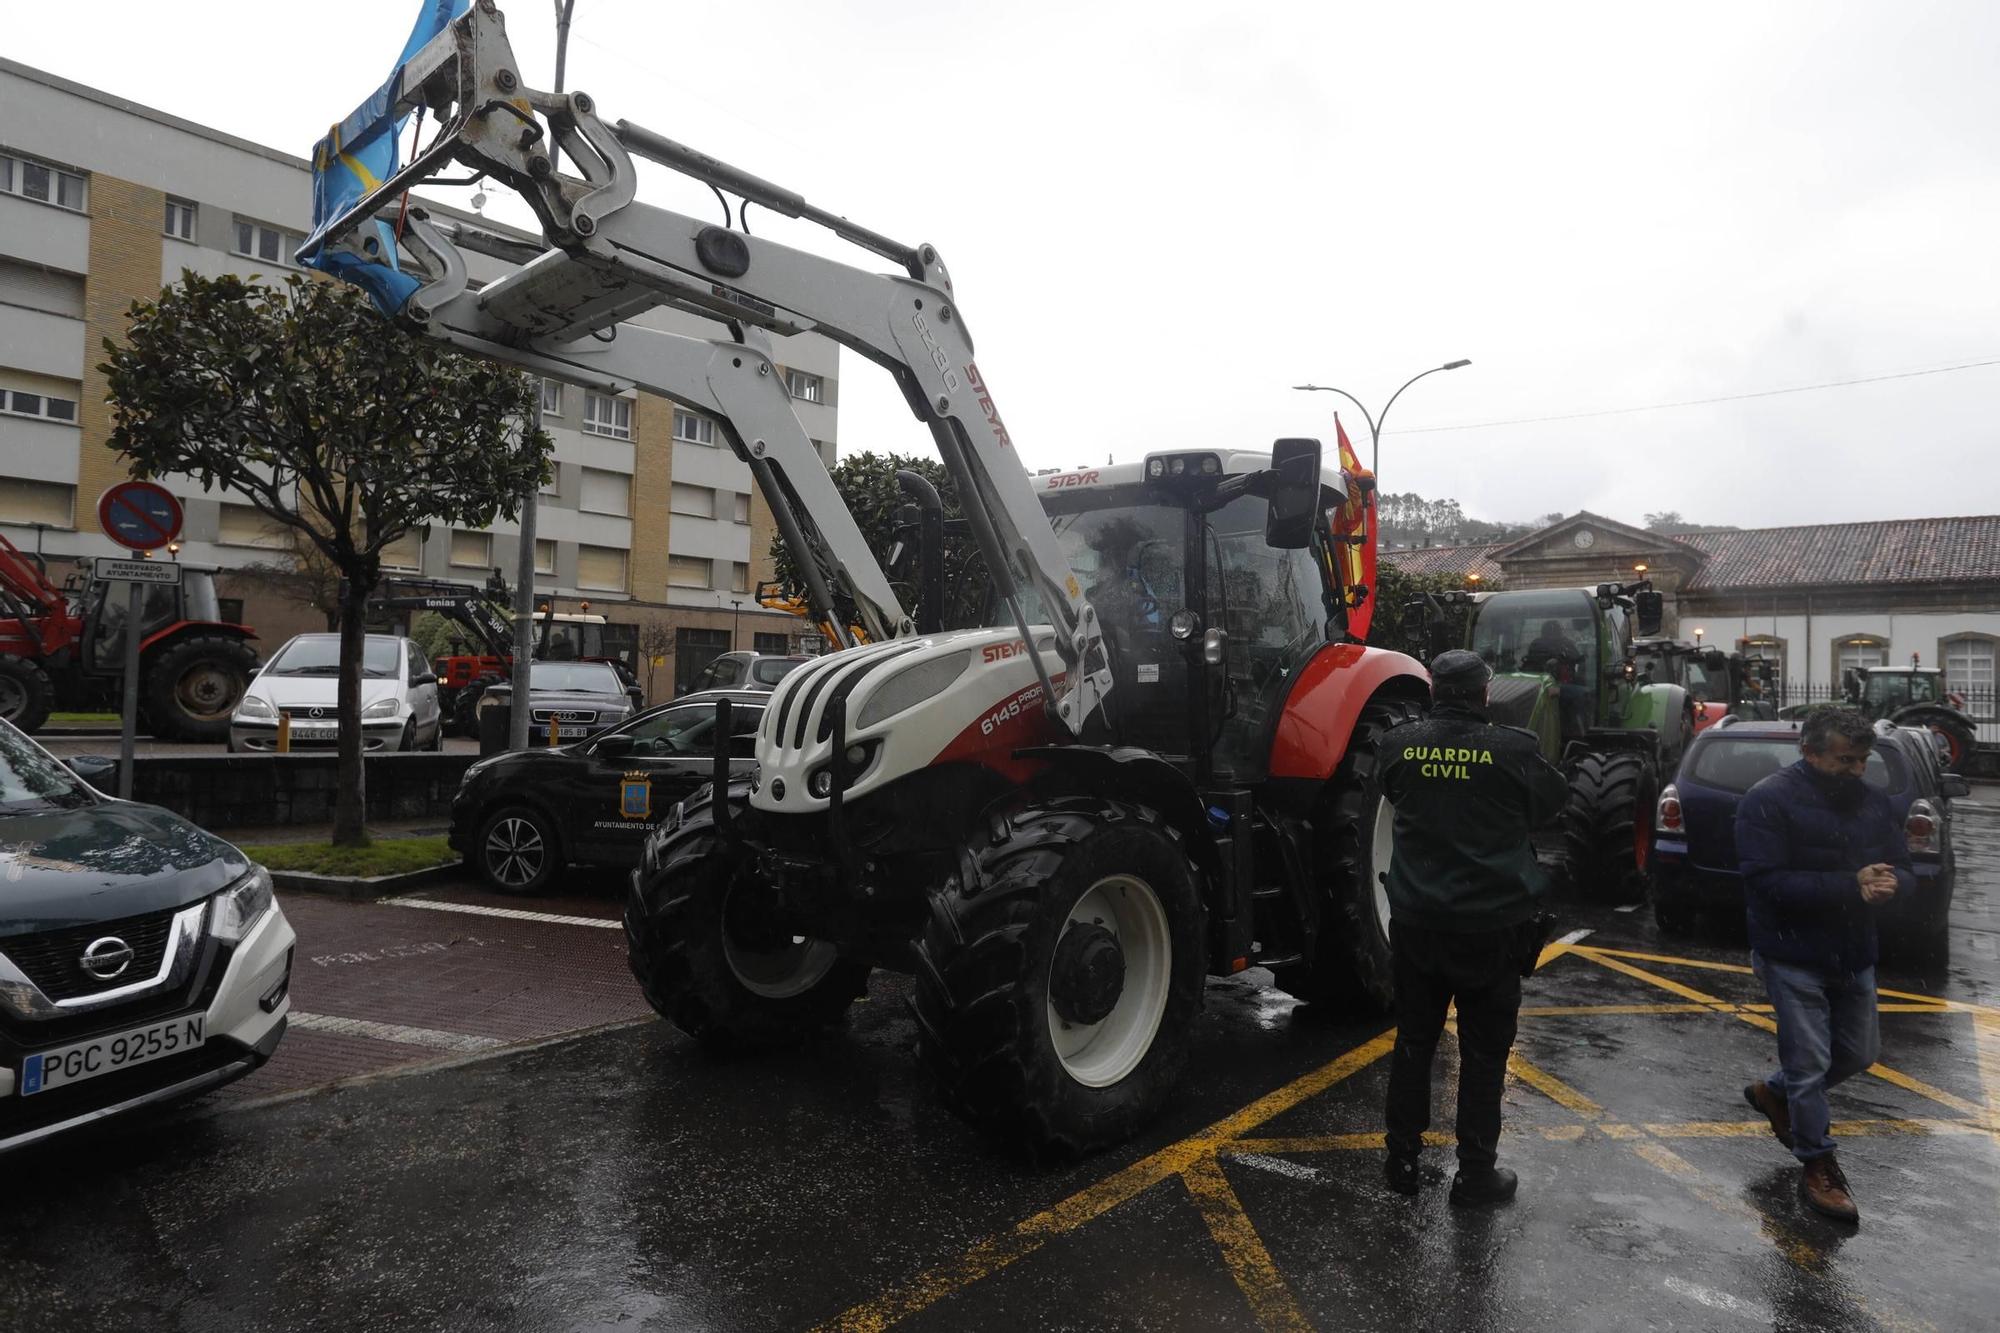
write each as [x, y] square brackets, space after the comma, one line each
[1277, 960]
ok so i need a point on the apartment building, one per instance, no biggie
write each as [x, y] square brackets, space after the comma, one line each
[649, 518]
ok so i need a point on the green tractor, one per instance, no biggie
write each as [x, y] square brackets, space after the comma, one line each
[1911, 696]
[1719, 684]
[1565, 669]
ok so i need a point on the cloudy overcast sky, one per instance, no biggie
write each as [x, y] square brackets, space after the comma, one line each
[1160, 216]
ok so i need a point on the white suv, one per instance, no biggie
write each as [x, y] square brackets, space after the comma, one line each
[399, 697]
[142, 960]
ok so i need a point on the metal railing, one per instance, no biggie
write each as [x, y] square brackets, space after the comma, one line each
[1981, 703]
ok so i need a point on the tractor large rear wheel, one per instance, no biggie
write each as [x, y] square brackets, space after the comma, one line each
[1608, 824]
[1060, 975]
[713, 965]
[1958, 740]
[1352, 966]
[25, 692]
[190, 688]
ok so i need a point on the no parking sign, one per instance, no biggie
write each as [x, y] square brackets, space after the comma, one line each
[140, 515]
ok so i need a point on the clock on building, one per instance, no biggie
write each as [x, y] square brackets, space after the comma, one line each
[1584, 539]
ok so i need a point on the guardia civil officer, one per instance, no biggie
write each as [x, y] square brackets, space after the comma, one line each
[1463, 907]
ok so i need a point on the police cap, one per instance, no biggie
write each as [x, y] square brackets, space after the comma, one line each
[1459, 672]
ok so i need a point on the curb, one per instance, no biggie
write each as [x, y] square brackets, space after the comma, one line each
[355, 888]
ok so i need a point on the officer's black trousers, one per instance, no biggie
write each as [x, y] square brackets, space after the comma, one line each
[1481, 971]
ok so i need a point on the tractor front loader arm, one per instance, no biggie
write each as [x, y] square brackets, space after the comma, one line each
[610, 258]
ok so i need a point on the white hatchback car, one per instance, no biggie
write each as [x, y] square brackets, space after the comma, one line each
[399, 697]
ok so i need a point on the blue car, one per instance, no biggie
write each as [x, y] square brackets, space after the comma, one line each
[1694, 824]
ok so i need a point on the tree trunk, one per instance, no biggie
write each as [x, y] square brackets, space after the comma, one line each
[350, 801]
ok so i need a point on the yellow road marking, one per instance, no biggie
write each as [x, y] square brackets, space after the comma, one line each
[1928, 1001]
[1030, 1234]
[1243, 1249]
[1758, 1020]
[1557, 1091]
[1562, 1010]
[1795, 1248]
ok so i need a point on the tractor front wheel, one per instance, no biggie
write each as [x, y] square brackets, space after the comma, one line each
[25, 693]
[1352, 965]
[190, 688]
[715, 966]
[1060, 975]
[1608, 824]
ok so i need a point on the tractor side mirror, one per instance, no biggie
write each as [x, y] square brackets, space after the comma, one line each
[1650, 609]
[1715, 659]
[1295, 498]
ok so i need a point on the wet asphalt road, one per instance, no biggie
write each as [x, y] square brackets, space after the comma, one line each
[623, 1180]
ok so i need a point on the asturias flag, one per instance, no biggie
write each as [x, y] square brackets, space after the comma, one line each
[1354, 538]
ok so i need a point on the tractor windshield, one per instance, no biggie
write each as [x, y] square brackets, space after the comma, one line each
[1551, 633]
[1890, 690]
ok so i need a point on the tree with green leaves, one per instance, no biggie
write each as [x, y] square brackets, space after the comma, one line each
[867, 482]
[1396, 624]
[348, 431]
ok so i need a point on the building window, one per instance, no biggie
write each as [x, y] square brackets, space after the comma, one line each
[1770, 649]
[691, 429]
[256, 241]
[605, 415]
[694, 649]
[545, 556]
[742, 509]
[41, 182]
[552, 484]
[694, 501]
[803, 385]
[739, 577]
[246, 525]
[688, 571]
[405, 553]
[1968, 670]
[473, 550]
[29, 502]
[601, 568]
[1855, 651]
[552, 398]
[825, 450]
[770, 643]
[19, 404]
[180, 219]
[606, 492]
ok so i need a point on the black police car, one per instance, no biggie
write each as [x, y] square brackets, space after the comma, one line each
[1694, 824]
[142, 960]
[520, 817]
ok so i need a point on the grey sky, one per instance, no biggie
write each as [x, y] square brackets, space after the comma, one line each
[1158, 217]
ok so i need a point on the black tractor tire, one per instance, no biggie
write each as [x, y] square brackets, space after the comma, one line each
[518, 850]
[1608, 820]
[25, 693]
[700, 955]
[1352, 966]
[1960, 740]
[190, 688]
[992, 1014]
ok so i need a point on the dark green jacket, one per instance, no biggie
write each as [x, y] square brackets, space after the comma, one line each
[1466, 793]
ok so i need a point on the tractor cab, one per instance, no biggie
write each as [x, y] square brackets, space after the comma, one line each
[106, 606]
[1882, 691]
[1211, 577]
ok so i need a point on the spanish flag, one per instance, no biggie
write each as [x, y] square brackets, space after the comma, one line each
[1354, 538]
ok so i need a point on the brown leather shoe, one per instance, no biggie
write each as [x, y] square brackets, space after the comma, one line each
[1775, 1108]
[1825, 1191]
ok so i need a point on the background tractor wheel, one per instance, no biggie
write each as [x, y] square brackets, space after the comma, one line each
[25, 694]
[1959, 739]
[709, 961]
[1060, 974]
[1352, 966]
[190, 688]
[1608, 823]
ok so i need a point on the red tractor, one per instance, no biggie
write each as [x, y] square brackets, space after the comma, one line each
[65, 648]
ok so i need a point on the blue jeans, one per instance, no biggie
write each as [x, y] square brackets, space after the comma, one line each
[1827, 1033]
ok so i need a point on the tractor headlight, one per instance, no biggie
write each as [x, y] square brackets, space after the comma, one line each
[911, 686]
[1183, 625]
[238, 907]
[381, 708]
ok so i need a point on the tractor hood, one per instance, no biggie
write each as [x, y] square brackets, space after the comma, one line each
[104, 861]
[967, 696]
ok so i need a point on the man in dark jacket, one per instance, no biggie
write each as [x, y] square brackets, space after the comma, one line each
[1820, 850]
[1462, 885]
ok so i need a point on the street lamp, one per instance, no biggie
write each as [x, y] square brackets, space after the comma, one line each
[736, 626]
[1375, 422]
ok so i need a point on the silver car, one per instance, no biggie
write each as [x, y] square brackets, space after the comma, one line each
[301, 682]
